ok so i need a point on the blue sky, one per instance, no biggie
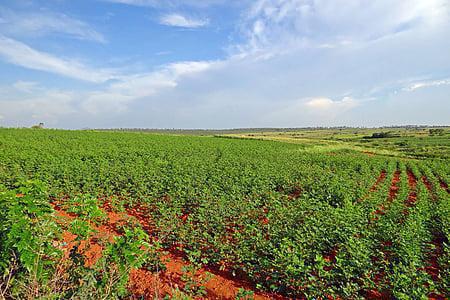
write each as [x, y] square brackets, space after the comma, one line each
[224, 64]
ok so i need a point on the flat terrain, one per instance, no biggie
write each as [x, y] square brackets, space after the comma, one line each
[331, 213]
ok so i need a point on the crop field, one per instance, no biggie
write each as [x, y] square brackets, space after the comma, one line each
[297, 215]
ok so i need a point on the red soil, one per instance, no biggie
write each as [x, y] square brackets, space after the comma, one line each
[143, 283]
[432, 265]
[412, 196]
[380, 276]
[393, 191]
[434, 296]
[222, 285]
[431, 260]
[412, 183]
[140, 213]
[330, 257]
[295, 193]
[444, 185]
[90, 248]
[376, 295]
[381, 178]
[150, 285]
[427, 184]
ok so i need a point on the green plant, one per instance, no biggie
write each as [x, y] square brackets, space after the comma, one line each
[27, 234]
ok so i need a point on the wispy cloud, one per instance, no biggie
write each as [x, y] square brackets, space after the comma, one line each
[118, 95]
[178, 20]
[25, 86]
[20, 54]
[424, 84]
[43, 23]
[42, 105]
[332, 24]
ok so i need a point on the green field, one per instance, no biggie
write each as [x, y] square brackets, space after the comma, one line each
[287, 214]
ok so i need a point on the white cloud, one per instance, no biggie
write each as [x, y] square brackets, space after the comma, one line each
[21, 54]
[43, 23]
[323, 104]
[43, 105]
[288, 24]
[311, 111]
[424, 84]
[118, 95]
[25, 86]
[178, 20]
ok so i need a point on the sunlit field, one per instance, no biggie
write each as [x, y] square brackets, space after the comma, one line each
[318, 214]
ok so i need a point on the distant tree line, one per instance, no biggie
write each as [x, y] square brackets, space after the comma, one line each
[382, 135]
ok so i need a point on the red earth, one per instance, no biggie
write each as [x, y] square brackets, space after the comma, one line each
[222, 285]
[393, 191]
[143, 283]
[444, 185]
[412, 196]
[381, 178]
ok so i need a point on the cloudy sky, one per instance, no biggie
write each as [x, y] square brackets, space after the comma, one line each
[224, 63]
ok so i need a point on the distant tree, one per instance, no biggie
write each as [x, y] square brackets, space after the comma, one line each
[381, 135]
[436, 131]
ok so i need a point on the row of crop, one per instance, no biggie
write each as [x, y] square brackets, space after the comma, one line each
[155, 166]
[276, 240]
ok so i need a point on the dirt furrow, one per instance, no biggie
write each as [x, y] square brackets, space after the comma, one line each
[381, 178]
[429, 187]
[412, 196]
[444, 185]
[90, 247]
[222, 285]
[436, 248]
[379, 181]
[385, 246]
[393, 191]
[146, 284]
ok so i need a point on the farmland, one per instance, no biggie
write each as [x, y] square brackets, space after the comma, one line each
[307, 214]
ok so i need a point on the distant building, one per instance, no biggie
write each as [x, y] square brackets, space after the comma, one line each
[39, 126]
